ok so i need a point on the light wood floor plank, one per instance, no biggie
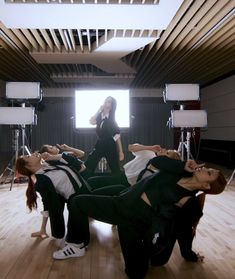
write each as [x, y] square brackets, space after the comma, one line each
[24, 257]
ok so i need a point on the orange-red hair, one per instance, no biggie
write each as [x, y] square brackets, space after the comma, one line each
[217, 186]
[31, 196]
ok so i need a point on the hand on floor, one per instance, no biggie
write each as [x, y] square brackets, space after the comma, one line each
[43, 235]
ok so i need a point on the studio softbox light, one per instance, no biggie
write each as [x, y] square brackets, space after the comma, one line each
[181, 92]
[16, 115]
[188, 118]
[23, 90]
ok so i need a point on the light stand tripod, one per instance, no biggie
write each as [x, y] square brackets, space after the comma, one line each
[231, 177]
[24, 147]
[19, 92]
[184, 145]
[22, 150]
[10, 165]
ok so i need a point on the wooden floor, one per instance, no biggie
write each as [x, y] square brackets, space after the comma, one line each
[24, 257]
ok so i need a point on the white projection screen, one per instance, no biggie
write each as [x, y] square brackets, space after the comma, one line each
[87, 103]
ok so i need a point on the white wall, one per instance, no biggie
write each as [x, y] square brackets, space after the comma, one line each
[219, 101]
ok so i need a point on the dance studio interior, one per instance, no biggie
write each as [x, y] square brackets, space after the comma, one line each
[170, 66]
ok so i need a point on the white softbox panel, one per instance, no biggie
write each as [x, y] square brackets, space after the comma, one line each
[16, 115]
[181, 92]
[188, 118]
[22, 90]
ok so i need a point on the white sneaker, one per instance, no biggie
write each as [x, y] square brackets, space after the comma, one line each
[80, 245]
[69, 251]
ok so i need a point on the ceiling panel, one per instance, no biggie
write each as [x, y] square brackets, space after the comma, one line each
[197, 46]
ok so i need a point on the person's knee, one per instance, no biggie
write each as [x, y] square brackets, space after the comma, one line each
[79, 201]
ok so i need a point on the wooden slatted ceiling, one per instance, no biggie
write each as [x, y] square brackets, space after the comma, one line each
[49, 40]
[86, 1]
[177, 48]
[197, 47]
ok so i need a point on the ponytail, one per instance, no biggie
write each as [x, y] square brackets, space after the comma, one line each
[31, 195]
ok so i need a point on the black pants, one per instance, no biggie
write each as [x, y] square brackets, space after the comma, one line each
[104, 148]
[56, 208]
[182, 224]
[97, 182]
[132, 221]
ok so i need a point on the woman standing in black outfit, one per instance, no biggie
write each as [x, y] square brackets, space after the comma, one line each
[108, 144]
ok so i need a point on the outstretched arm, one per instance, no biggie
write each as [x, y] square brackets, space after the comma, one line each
[164, 163]
[76, 152]
[93, 118]
[42, 232]
[68, 159]
[120, 150]
[175, 166]
[140, 147]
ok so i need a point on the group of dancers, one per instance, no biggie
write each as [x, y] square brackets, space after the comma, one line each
[155, 200]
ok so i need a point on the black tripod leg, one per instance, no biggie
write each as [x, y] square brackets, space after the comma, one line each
[12, 181]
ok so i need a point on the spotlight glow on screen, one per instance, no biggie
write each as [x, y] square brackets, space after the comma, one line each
[87, 103]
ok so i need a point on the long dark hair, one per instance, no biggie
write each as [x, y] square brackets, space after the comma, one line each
[113, 109]
[31, 196]
[44, 148]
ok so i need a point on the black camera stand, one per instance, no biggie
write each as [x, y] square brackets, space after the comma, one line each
[9, 171]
